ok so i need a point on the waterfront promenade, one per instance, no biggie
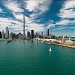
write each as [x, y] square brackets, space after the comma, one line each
[57, 42]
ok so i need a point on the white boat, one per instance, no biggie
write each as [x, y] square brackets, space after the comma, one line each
[50, 49]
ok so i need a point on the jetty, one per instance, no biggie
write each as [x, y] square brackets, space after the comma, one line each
[28, 43]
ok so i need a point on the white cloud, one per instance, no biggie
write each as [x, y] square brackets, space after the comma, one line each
[4, 23]
[13, 6]
[8, 22]
[69, 4]
[18, 16]
[36, 27]
[64, 22]
[66, 13]
[50, 24]
[38, 6]
[0, 10]
[67, 10]
[35, 5]
[59, 28]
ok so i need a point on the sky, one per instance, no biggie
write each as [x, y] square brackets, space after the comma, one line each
[40, 15]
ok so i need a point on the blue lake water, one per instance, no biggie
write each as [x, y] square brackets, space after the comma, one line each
[17, 58]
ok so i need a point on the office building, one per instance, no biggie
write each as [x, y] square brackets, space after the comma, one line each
[48, 32]
[7, 33]
[32, 34]
[3, 35]
[10, 36]
[0, 35]
[20, 36]
[28, 34]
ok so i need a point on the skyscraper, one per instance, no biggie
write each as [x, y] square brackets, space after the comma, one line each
[28, 34]
[36, 35]
[32, 34]
[3, 35]
[7, 33]
[23, 26]
[20, 35]
[10, 36]
[42, 34]
[0, 35]
[48, 32]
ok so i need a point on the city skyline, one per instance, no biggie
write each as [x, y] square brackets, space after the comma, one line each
[40, 16]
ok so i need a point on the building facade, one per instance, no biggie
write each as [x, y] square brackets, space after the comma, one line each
[3, 35]
[7, 33]
[32, 34]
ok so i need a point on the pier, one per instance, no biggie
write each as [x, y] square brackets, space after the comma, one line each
[28, 44]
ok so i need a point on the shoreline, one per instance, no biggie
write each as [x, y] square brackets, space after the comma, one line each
[57, 42]
[63, 45]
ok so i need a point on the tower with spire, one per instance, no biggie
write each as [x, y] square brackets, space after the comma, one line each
[23, 26]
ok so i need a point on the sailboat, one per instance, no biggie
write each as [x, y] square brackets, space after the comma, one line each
[50, 49]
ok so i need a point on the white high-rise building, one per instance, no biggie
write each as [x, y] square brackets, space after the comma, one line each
[10, 36]
[3, 35]
[20, 35]
[7, 33]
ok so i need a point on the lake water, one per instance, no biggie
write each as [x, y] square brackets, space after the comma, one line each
[17, 58]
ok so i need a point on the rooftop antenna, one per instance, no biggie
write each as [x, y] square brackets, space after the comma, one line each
[23, 26]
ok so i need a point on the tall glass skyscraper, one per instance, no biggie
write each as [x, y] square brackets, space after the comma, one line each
[7, 33]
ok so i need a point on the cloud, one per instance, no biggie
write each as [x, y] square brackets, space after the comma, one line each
[59, 28]
[4, 23]
[18, 16]
[13, 6]
[0, 10]
[67, 10]
[64, 22]
[69, 4]
[66, 13]
[38, 7]
[50, 24]
[9, 22]
[36, 27]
